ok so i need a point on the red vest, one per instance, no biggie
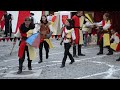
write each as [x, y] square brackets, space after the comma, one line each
[76, 24]
[103, 23]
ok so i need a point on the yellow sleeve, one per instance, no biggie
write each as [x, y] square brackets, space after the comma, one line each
[29, 33]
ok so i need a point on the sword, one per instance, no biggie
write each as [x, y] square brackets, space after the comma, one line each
[12, 48]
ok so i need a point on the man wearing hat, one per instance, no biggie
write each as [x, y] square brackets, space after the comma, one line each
[32, 18]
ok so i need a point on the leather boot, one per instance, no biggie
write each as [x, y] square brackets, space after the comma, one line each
[29, 64]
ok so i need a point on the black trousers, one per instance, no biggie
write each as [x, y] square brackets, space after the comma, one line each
[67, 53]
[8, 29]
[21, 60]
[79, 50]
[101, 47]
[46, 46]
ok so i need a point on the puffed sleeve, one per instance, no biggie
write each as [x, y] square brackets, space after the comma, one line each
[98, 23]
[73, 35]
[51, 28]
[106, 26]
[117, 40]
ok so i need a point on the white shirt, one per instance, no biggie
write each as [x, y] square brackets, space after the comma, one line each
[105, 27]
[86, 25]
[116, 38]
[49, 18]
[72, 33]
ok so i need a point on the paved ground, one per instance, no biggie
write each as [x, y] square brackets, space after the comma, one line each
[90, 66]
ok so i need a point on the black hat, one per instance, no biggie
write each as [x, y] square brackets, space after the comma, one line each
[27, 19]
[32, 14]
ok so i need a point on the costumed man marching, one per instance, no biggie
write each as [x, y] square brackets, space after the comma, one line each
[45, 34]
[80, 22]
[8, 23]
[104, 27]
[68, 37]
[25, 30]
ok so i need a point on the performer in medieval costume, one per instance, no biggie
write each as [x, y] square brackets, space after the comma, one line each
[80, 23]
[25, 30]
[104, 27]
[68, 37]
[45, 34]
[8, 23]
[114, 41]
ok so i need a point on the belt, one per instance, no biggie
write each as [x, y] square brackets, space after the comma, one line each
[68, 38]
[78, 27]
[24, 38]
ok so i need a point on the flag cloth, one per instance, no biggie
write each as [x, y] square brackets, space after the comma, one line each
[49, 43]
[34, 40]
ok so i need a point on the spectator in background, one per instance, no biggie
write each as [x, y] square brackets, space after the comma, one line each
[32, 18]
[8, 23]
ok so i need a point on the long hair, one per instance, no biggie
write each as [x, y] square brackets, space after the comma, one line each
[42, 20]
[71, 24]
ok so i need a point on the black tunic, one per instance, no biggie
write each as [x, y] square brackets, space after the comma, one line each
[8, 23]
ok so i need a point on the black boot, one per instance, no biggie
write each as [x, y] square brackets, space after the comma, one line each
[29, 65]
[81, 54]
[20, 66]
[79, 51]
[62, 66]
[74, 52]
[118, 59]
[47, 55]
[110, 51]
[40, 61]
[71, 58]
[29, 68]
[19, 71]
[71, 62]
[100, 53]
[75, 56]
